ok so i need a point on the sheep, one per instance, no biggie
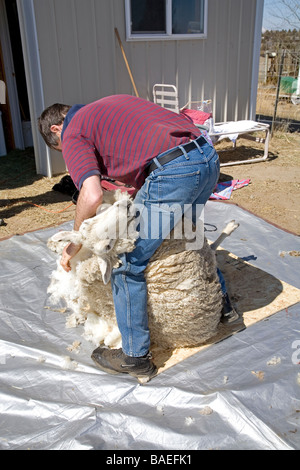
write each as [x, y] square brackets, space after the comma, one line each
[184, 294]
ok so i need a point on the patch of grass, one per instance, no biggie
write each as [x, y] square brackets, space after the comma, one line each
[285, 108]
[17, 168]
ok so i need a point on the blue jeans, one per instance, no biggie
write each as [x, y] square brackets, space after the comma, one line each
[185, 182]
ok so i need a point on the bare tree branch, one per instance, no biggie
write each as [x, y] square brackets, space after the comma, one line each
[288, 11]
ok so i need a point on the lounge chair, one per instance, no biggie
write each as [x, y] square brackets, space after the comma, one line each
[201, 114]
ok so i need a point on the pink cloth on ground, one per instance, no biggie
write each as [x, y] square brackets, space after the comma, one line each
[224, 190]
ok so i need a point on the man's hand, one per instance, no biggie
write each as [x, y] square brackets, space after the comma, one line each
[90, 198]
[68, 253]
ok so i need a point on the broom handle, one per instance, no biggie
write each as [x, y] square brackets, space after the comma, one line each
[126, 62]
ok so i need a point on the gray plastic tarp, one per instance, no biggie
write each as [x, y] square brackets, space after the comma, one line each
[51, 398]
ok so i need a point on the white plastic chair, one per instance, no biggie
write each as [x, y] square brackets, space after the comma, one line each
[167, 97]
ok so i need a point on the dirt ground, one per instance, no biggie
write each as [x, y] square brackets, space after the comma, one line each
[28, 202]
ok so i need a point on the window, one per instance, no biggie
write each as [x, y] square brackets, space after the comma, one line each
[165, 19]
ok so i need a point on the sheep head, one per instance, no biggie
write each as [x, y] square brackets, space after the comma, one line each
[58, 241]
[110, 233]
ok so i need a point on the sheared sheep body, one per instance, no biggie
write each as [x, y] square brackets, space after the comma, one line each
[184, 295]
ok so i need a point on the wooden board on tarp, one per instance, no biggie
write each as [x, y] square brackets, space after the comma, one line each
[255, 294]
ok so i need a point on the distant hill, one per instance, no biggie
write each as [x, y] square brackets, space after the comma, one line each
[274, 41]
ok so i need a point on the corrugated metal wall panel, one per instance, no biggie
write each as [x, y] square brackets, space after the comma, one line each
[81, 60]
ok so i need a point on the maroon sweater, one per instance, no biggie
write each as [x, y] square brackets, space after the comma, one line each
[118, 136]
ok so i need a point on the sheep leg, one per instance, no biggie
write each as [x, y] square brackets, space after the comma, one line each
[230, 227]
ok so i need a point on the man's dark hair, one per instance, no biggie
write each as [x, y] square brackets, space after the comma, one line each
[53, 115]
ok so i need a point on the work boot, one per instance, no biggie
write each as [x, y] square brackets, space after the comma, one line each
[114, 361]
[229, 314]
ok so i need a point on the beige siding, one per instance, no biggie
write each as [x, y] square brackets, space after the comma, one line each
[81, 59]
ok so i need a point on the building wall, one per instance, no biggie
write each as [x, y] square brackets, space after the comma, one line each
[81, 60]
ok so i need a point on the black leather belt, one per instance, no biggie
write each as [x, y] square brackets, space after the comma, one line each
[177, 152]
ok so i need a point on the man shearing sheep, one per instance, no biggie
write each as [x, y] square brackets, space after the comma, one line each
[167, 159]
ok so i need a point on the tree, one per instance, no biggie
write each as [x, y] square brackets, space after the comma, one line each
[287, 11]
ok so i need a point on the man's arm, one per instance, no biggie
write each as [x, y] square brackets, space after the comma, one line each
[90, 198]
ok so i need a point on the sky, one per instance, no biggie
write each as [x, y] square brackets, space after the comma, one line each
[281, 14]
